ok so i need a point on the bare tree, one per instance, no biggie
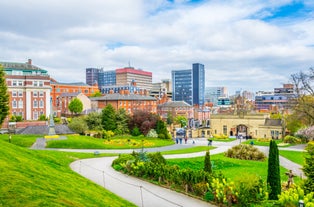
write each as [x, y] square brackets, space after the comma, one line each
[304, 100]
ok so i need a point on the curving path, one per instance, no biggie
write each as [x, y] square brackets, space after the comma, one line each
[142, 193]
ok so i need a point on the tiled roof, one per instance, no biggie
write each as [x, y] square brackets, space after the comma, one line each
[70, 84]
[69, 94]
[174, 104]
[273, 122]
[117, 96]
[20, 66]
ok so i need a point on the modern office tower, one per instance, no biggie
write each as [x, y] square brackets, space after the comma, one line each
[128, 75]
[29, 89]
[182, 86]
[198, 84]
[212, 94]
[107, 78]
[92, 75]
[189, 85]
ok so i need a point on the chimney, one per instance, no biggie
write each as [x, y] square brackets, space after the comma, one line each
[29, 61]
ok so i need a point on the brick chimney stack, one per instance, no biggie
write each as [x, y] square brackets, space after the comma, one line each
[29, 61]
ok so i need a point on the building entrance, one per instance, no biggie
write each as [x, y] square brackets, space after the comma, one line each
[242, 131]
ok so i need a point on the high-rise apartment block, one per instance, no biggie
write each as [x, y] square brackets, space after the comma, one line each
[212, 94]
[189, 85]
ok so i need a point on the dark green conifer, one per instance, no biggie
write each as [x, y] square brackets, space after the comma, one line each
[207, 163]
[273, 176]
[4, 97]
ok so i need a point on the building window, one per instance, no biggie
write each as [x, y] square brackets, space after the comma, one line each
[35, 93]
[86, 91]
[20, 104]
[225, 129]
[41, 93]
[14, 93]
[41, 84]
[20, 83]
[41, 104]
[14, 104]
[35, 83]
[58, 90]
[14, 83]
[35, 104]
[20, 93]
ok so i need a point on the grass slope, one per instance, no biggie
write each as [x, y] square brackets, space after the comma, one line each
[44, 178]
[20, 139]
[297, 157]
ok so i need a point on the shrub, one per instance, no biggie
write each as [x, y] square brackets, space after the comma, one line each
[251, 189]
[292, 196]
[78, 125]
[135, 131]
[152, 133]
[161, 136]
[264, 139]
[157, 158]
[291, 139]
[245, 152]
[42, 117]
[56, 120]
[107, 134]
[220, 136]
[306, 134]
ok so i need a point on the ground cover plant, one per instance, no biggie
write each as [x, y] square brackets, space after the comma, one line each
[116, 142]
[44, 178]
[265, 142]
[20, 139]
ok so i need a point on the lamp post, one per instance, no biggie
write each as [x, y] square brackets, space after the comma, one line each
[301, 203]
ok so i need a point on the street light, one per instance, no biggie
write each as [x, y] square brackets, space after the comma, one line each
[301, 203]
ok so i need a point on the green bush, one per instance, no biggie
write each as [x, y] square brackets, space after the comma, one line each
[152, 133]
[251, 189]
[135, 131]
[42, 117]
[292, 196]
[107, 134]
[245, 152]
[161, 136]
[78, 125]
[157, 158]
[292, 140]
[220, 136]
[56, 120]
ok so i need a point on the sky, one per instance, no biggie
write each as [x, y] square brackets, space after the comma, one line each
[248, 45]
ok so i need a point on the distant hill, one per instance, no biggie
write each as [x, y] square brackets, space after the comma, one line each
[44, 178]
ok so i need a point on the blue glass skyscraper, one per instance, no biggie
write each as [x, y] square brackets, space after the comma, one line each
[189, 85]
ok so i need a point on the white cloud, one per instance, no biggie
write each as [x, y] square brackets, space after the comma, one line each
[229, 37]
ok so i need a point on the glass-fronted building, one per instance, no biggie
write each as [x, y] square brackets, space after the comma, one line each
[189, 85]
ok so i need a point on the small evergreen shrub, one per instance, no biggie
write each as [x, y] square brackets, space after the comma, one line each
[107, 134]
[245, 152]
[157, 158]
[152, 133]
[42, 117]
[135, 131]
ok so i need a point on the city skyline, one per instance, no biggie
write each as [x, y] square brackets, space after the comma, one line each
[251, 46]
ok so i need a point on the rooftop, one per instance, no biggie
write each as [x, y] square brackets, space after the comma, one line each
[118, 96]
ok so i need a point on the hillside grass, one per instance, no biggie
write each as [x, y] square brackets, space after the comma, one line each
[229, 167]
[125, 142]
[44, 178]
[20, 139]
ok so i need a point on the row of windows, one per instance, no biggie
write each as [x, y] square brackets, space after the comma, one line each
[20, 104]
[65, 90]
[22, 83]
[20, 93]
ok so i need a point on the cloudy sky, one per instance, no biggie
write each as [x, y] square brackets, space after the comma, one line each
[244, 44]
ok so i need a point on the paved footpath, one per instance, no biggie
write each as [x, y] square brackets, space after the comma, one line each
[143, 193]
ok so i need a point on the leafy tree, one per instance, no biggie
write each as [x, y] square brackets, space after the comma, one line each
[122, 120]
[308, 168]
[76, 106]
[293, 122]
[182, 120]
[96, 94]
[93, 121]
[169, 118]
[108, 118]
[78, 125]
[4, 97]
[207, 163]
[273, 176]
[145, 121]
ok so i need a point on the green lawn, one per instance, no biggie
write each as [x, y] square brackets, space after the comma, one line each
[21, 140]
[297, 157]
[223, 140]
[188, 150]
[230, 168]
[86, 142]
[44, 178]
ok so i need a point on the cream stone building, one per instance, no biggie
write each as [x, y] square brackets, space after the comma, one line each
[251, 126]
